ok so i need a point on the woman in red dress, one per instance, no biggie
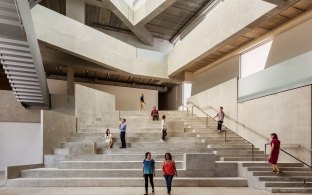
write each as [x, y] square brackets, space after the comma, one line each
[275, 147]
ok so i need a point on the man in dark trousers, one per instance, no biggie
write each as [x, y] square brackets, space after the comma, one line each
[220, 116]
[122, 128]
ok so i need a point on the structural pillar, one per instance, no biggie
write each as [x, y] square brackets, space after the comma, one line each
[70, 81]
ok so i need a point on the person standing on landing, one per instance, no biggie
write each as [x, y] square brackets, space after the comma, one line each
[220, 116]
[148, 171]
[122, 129]
[275, 147]
[142, 103]
[169, 170]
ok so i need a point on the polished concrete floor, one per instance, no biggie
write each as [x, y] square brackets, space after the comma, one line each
[130, 191]
[125, 190]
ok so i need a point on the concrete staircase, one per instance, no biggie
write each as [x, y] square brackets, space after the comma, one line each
[85, 161]
[291, 180]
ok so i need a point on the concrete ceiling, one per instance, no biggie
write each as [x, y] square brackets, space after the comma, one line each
[56, 62]
[166, 25]
[285, 11]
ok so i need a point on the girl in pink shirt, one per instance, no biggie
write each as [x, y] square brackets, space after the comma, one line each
[169, 170]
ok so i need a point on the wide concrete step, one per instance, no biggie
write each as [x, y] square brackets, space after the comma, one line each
[92, 173]
[153, 150]
[288, 178]
[240, 158]
[287, 184]
[142, 135]
[307, 190]
[284, 169]
[230, 145]
[110, 164]
[284, 173]
[121, 157]
[126, 182]
[263, 164]
[234, 152]
[61, 151]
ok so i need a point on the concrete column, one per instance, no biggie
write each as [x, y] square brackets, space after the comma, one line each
[75, 9]
[70, 81]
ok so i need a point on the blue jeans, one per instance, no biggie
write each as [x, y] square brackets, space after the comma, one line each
[168, 179]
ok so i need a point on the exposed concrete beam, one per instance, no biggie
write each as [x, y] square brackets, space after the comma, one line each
[149, 10]
[264, 38]
[227, 15]
[33, 3]
[113, 83]
[125, 14]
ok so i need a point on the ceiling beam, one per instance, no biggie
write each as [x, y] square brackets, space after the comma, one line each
[33, 3]
[149, 10]
[113, 83]
[126, 16]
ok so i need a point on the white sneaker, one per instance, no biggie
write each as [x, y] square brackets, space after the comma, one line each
[161, 140]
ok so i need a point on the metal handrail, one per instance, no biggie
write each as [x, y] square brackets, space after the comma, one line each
[196, 106]
[252, 145]
[265, 160]
[239, 123]
[186, 109]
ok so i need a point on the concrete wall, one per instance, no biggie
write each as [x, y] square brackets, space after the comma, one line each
[91, 104]
[56, 128]
[13, 111]
[216, 75]
[290, 44]
[287, 113]
[224, 95]
[20, 144]
[87, 43]
[125, 98]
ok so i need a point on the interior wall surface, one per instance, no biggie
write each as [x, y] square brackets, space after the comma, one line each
[290, 44]
[224, 95]
[91, 104]
[20, 144]
[172, 99]
[287, 113]
[56, 128]
[216, 75]
[125, 98]
[12, 111]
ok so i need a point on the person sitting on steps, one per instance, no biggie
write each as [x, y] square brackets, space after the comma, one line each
[155, 114]
[108, 139]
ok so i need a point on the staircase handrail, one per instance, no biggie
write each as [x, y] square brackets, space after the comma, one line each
[186, 109]
[265, 160]
[239, 123]
[252, 145]
[196, 106]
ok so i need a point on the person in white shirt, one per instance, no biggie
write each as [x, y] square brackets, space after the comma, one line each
[163, 128]
[220, 116]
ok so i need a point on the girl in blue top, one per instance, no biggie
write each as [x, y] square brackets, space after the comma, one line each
[148, 171]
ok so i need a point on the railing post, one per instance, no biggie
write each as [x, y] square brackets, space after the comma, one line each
[186, 111]
[225, 136]
[265, 153]
[206, 121]
[252, 152]
[192, 109]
